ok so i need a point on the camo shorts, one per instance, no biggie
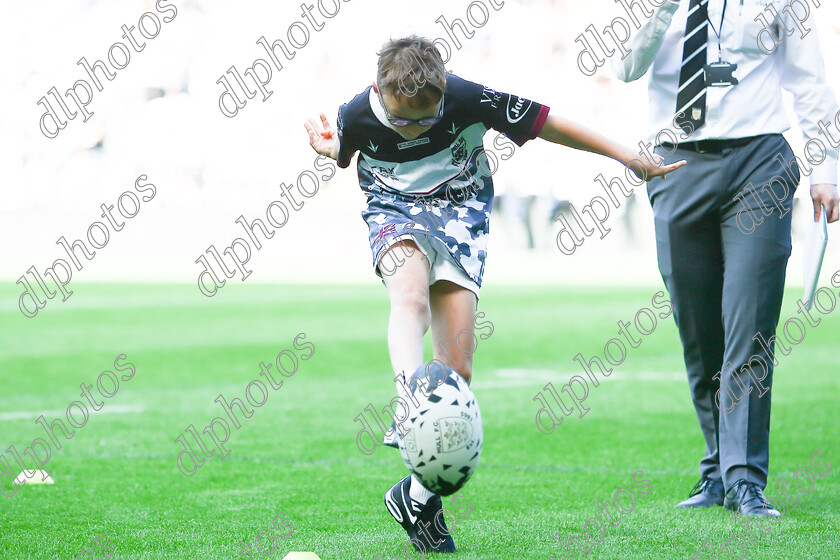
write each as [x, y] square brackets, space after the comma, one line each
[452, 235]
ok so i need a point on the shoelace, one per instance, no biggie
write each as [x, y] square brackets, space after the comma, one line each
[754, 492]
[701, 485]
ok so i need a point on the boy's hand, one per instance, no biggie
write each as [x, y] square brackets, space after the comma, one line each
[646, 170]
[325, 141]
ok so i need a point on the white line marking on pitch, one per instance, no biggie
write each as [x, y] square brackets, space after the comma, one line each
[528, 373]
[504, 378]
[111, 409]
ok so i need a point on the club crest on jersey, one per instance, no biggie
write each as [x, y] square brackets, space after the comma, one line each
[459, 152]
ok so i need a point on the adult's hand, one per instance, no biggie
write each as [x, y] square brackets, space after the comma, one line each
[824, 194]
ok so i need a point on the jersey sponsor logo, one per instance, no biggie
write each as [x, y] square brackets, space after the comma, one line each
[387, 172]
[491, 96]
[515, 111]
[412, 143]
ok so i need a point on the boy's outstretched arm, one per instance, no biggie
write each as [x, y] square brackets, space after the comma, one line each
[324, 141]
[569, 133]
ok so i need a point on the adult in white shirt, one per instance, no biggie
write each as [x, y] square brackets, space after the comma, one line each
[723, 222]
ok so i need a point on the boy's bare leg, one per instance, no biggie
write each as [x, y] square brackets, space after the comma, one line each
[408, 291]
[453, 312]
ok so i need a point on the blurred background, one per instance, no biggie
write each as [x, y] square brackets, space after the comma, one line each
[160, 117]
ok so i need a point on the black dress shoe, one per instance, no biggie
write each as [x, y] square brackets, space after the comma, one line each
[705, 493]
[747, 498]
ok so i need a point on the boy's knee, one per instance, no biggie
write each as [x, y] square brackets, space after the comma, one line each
[414, 300]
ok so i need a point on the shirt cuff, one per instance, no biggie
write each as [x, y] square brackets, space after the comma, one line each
[825, 172]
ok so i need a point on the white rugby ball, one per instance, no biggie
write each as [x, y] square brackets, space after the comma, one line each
[442, 443]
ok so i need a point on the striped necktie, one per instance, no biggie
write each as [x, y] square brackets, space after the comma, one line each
[691, 98]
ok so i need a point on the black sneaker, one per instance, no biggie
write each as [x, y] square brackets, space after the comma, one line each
[424, 523]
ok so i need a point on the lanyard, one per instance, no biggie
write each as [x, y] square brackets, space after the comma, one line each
[718, 31]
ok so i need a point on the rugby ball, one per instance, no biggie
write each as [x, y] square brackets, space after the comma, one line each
[443, 435]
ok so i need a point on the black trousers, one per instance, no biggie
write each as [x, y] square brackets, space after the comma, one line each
[723, 241]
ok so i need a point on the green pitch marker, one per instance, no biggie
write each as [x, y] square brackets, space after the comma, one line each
[301, 556]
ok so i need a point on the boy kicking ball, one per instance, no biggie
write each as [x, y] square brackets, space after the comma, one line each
[419, 133]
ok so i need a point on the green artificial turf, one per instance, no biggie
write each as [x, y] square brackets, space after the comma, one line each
[118, 478]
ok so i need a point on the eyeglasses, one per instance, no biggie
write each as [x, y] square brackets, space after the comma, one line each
[402, 121]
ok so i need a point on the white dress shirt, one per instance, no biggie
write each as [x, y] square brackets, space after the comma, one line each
[753, 106]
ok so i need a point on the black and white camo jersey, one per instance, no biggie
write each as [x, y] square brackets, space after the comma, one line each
[444, 156]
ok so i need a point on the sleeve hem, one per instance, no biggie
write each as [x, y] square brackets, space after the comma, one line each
[538, 124]
[535, 128]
